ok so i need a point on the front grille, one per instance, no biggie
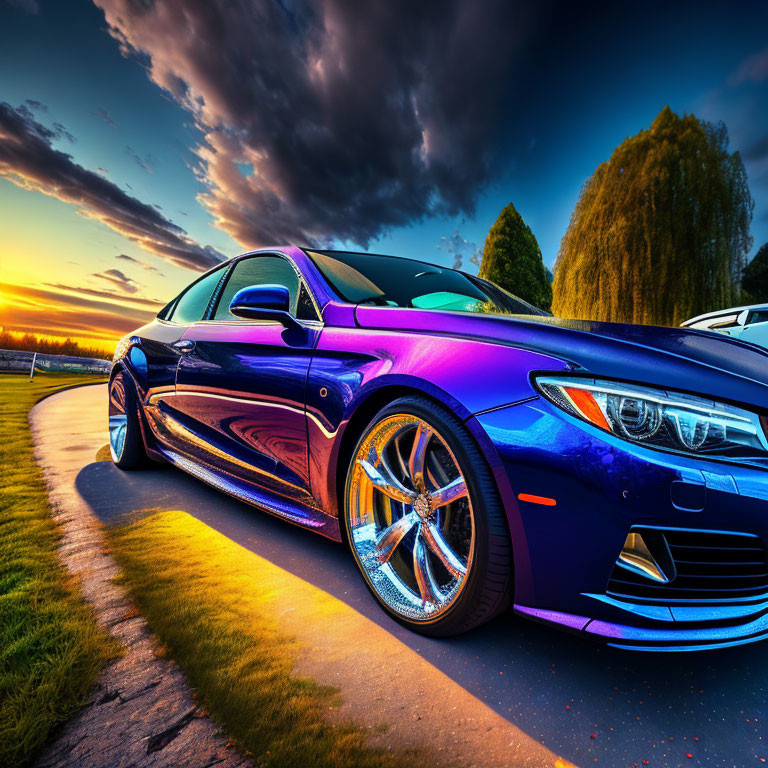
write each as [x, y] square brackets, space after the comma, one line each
[710, 566]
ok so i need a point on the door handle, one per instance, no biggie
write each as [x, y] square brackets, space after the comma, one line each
[184, 345]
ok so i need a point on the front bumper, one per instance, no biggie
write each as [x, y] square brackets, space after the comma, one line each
[684, 636]
[603, 487]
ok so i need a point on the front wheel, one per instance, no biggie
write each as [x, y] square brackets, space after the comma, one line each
[125, 442]
[425, 522]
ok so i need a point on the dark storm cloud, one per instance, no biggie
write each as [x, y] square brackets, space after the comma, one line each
[28, 159]
[332, 119]
[60, 132]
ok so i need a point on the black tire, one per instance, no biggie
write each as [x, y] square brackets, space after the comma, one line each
[489, 588]
[132, 455]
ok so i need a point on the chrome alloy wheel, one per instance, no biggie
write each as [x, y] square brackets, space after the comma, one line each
[410, 518]
[118, 419]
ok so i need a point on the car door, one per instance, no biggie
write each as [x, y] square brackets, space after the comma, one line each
[241, 386]
[157, 348]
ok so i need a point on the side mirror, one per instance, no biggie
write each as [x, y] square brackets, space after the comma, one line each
[264, 302]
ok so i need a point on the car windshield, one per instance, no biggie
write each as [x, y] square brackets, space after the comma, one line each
[390, 281]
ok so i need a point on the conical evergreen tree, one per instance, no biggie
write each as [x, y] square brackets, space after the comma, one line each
[660, 232]
[512, 259]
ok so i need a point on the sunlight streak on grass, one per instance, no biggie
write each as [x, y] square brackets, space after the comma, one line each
[212, 604]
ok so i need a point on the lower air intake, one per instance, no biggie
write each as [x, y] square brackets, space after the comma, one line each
[710, 566]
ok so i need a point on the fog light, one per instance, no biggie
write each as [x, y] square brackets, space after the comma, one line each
[635, 556]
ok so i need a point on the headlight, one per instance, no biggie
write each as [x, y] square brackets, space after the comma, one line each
[660, 419]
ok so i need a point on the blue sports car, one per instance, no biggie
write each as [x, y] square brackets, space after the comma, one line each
[473, 452]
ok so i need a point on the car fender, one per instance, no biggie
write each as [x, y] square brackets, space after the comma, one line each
[347, 386]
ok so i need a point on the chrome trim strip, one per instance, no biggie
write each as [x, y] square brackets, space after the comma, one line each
[248, 401]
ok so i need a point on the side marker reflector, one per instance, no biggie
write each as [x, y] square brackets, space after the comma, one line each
[546, 501]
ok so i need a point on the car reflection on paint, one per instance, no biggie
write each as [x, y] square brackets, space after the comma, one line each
[473, 452]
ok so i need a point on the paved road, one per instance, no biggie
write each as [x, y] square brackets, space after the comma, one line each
[510, 693]
[141, 712]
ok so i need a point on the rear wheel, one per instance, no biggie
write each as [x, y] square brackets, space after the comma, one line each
[424, 520]
[125, 443]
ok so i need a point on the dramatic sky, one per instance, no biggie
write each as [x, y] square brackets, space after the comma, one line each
[143, 141]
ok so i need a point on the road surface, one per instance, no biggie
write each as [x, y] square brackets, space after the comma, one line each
[511, 693]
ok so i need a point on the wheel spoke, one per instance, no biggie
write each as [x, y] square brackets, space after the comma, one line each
[448, 493]
[401, 463]
[434, 539]
[381, 476]
[117, 394]
[390, 537]
[418, 455]
[399, 526]
[428, 589]
[118, 425]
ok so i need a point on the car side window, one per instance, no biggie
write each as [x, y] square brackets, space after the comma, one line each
[305, 309]
[757, 316]
[260, 270]
[192, 304]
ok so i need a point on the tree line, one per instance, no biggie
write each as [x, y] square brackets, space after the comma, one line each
[47, 345]
[660, 233]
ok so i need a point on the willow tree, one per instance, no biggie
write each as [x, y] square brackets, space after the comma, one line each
[512, 259]
[660, 232]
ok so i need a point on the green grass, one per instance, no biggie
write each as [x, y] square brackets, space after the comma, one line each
[210, 602]
[51, 650]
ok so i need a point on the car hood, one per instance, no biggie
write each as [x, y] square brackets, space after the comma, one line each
[673, 358]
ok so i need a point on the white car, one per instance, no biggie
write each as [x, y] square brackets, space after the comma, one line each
[746, 323]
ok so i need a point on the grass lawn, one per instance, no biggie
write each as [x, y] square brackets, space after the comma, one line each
[51, 649]
[210, 603]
